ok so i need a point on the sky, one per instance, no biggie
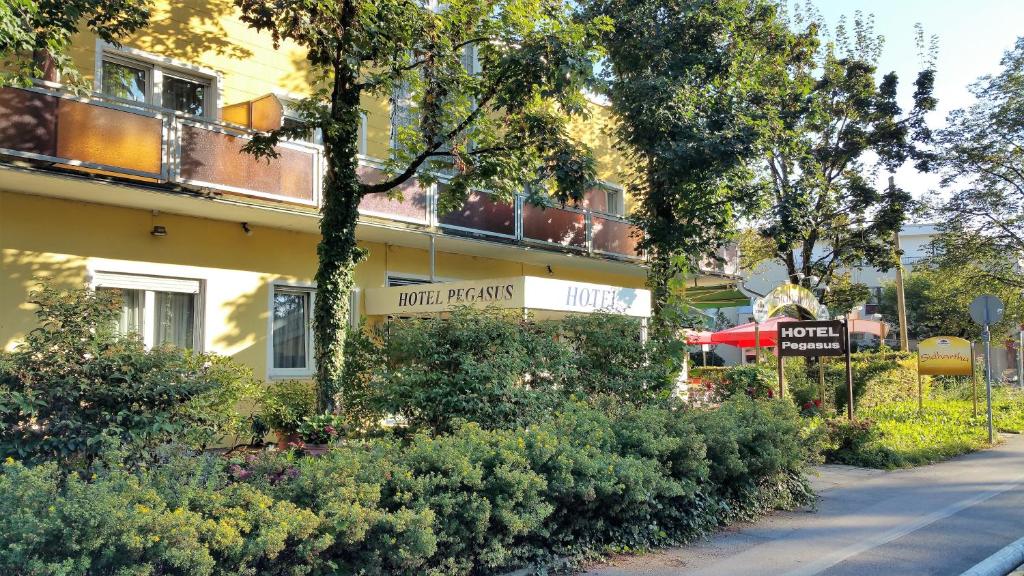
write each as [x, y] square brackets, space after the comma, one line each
[973, 35]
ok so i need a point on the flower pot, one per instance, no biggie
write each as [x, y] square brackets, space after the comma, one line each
[287, 440]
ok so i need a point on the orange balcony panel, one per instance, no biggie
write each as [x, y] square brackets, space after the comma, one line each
[614, 236]
[109, 137]
[412, 204]
[28, 122]
[481, 212]
[554, 225]
[215, 158]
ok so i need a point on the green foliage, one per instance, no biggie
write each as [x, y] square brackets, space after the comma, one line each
[74, 386]
[896, 434]
[497, 369]
[844, 294]
[878, 378]
[981, 154]
[503, 127]
[35, 35]
[321, 428]
[830, 127]
[595, 477]
[364, 357]
[686, 81]
[609, 358]
[184, 518]
[284, 405]
[752, 380]
[489, 367]
[939, 292]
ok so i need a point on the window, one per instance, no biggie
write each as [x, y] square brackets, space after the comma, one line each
[291, 331]
[149, 81]
[125, 82]
[874, 303]
[162, 311]
[184, 95]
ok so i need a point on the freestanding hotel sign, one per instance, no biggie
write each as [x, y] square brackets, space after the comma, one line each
[814, 338]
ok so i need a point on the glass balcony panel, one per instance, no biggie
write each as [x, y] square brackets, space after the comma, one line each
[614, 236]
[216, 158]
[412, 205]
[554, 225]
[481, 212]
[115, 138]
[29, 122]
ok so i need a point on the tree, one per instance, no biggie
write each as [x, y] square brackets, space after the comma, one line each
[982, 157]
[843, 294]
[35, 35]
[834, 127]
[686, 82]
[504, 126]
[938, 300]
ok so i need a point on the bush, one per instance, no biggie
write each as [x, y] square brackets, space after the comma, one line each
[286, 404]
[751, 380]
[161, 522]
[74, 387]
[879, 378]
[487, 367]
[596, 477]
[610, 358]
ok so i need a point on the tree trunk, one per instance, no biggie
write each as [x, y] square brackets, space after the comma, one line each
[338, 252]
[658, 277]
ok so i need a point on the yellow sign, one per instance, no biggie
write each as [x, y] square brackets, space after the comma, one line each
[944, 355]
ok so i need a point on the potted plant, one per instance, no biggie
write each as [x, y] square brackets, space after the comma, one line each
[316, 432]
[284, 405]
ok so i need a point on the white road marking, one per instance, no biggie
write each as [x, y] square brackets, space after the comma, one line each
[881, 538]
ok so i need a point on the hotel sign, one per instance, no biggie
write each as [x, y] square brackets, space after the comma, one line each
[813, 338]
[521, 292]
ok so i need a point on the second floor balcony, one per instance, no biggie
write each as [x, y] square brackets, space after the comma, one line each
[53, 129]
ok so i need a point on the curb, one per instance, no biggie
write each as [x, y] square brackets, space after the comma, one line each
[1001, 563]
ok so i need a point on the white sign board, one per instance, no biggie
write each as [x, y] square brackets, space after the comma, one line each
[521, 292]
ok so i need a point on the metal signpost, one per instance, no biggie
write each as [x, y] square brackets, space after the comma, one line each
[816, 338]
[987, 310]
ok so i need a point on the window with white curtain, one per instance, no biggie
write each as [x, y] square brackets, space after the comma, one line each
[291, 331]
[160, 310]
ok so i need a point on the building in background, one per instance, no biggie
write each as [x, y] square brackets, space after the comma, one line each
[141, 186]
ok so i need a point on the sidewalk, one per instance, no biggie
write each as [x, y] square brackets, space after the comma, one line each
[938, 519]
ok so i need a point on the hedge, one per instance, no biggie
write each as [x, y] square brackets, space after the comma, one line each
[594, 477]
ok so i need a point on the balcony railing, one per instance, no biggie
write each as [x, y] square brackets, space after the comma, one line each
[103, 136]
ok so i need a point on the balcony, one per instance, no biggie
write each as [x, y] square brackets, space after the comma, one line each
[102, 136]
[53, 129]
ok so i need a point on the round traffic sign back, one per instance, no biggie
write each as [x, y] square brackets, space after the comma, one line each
[987, 310]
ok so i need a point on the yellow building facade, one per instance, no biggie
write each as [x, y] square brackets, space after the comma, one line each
[140, 187]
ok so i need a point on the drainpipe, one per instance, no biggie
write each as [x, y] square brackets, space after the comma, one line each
[433, 257]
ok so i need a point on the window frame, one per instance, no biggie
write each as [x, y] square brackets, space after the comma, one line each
[150, 284]
[273, 372]
[156, 67]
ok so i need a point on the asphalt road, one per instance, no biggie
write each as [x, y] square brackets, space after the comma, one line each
[933, 520]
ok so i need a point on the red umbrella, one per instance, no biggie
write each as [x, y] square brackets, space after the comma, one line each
[742, 336]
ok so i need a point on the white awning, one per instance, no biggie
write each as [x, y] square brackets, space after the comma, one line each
[520, 292]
